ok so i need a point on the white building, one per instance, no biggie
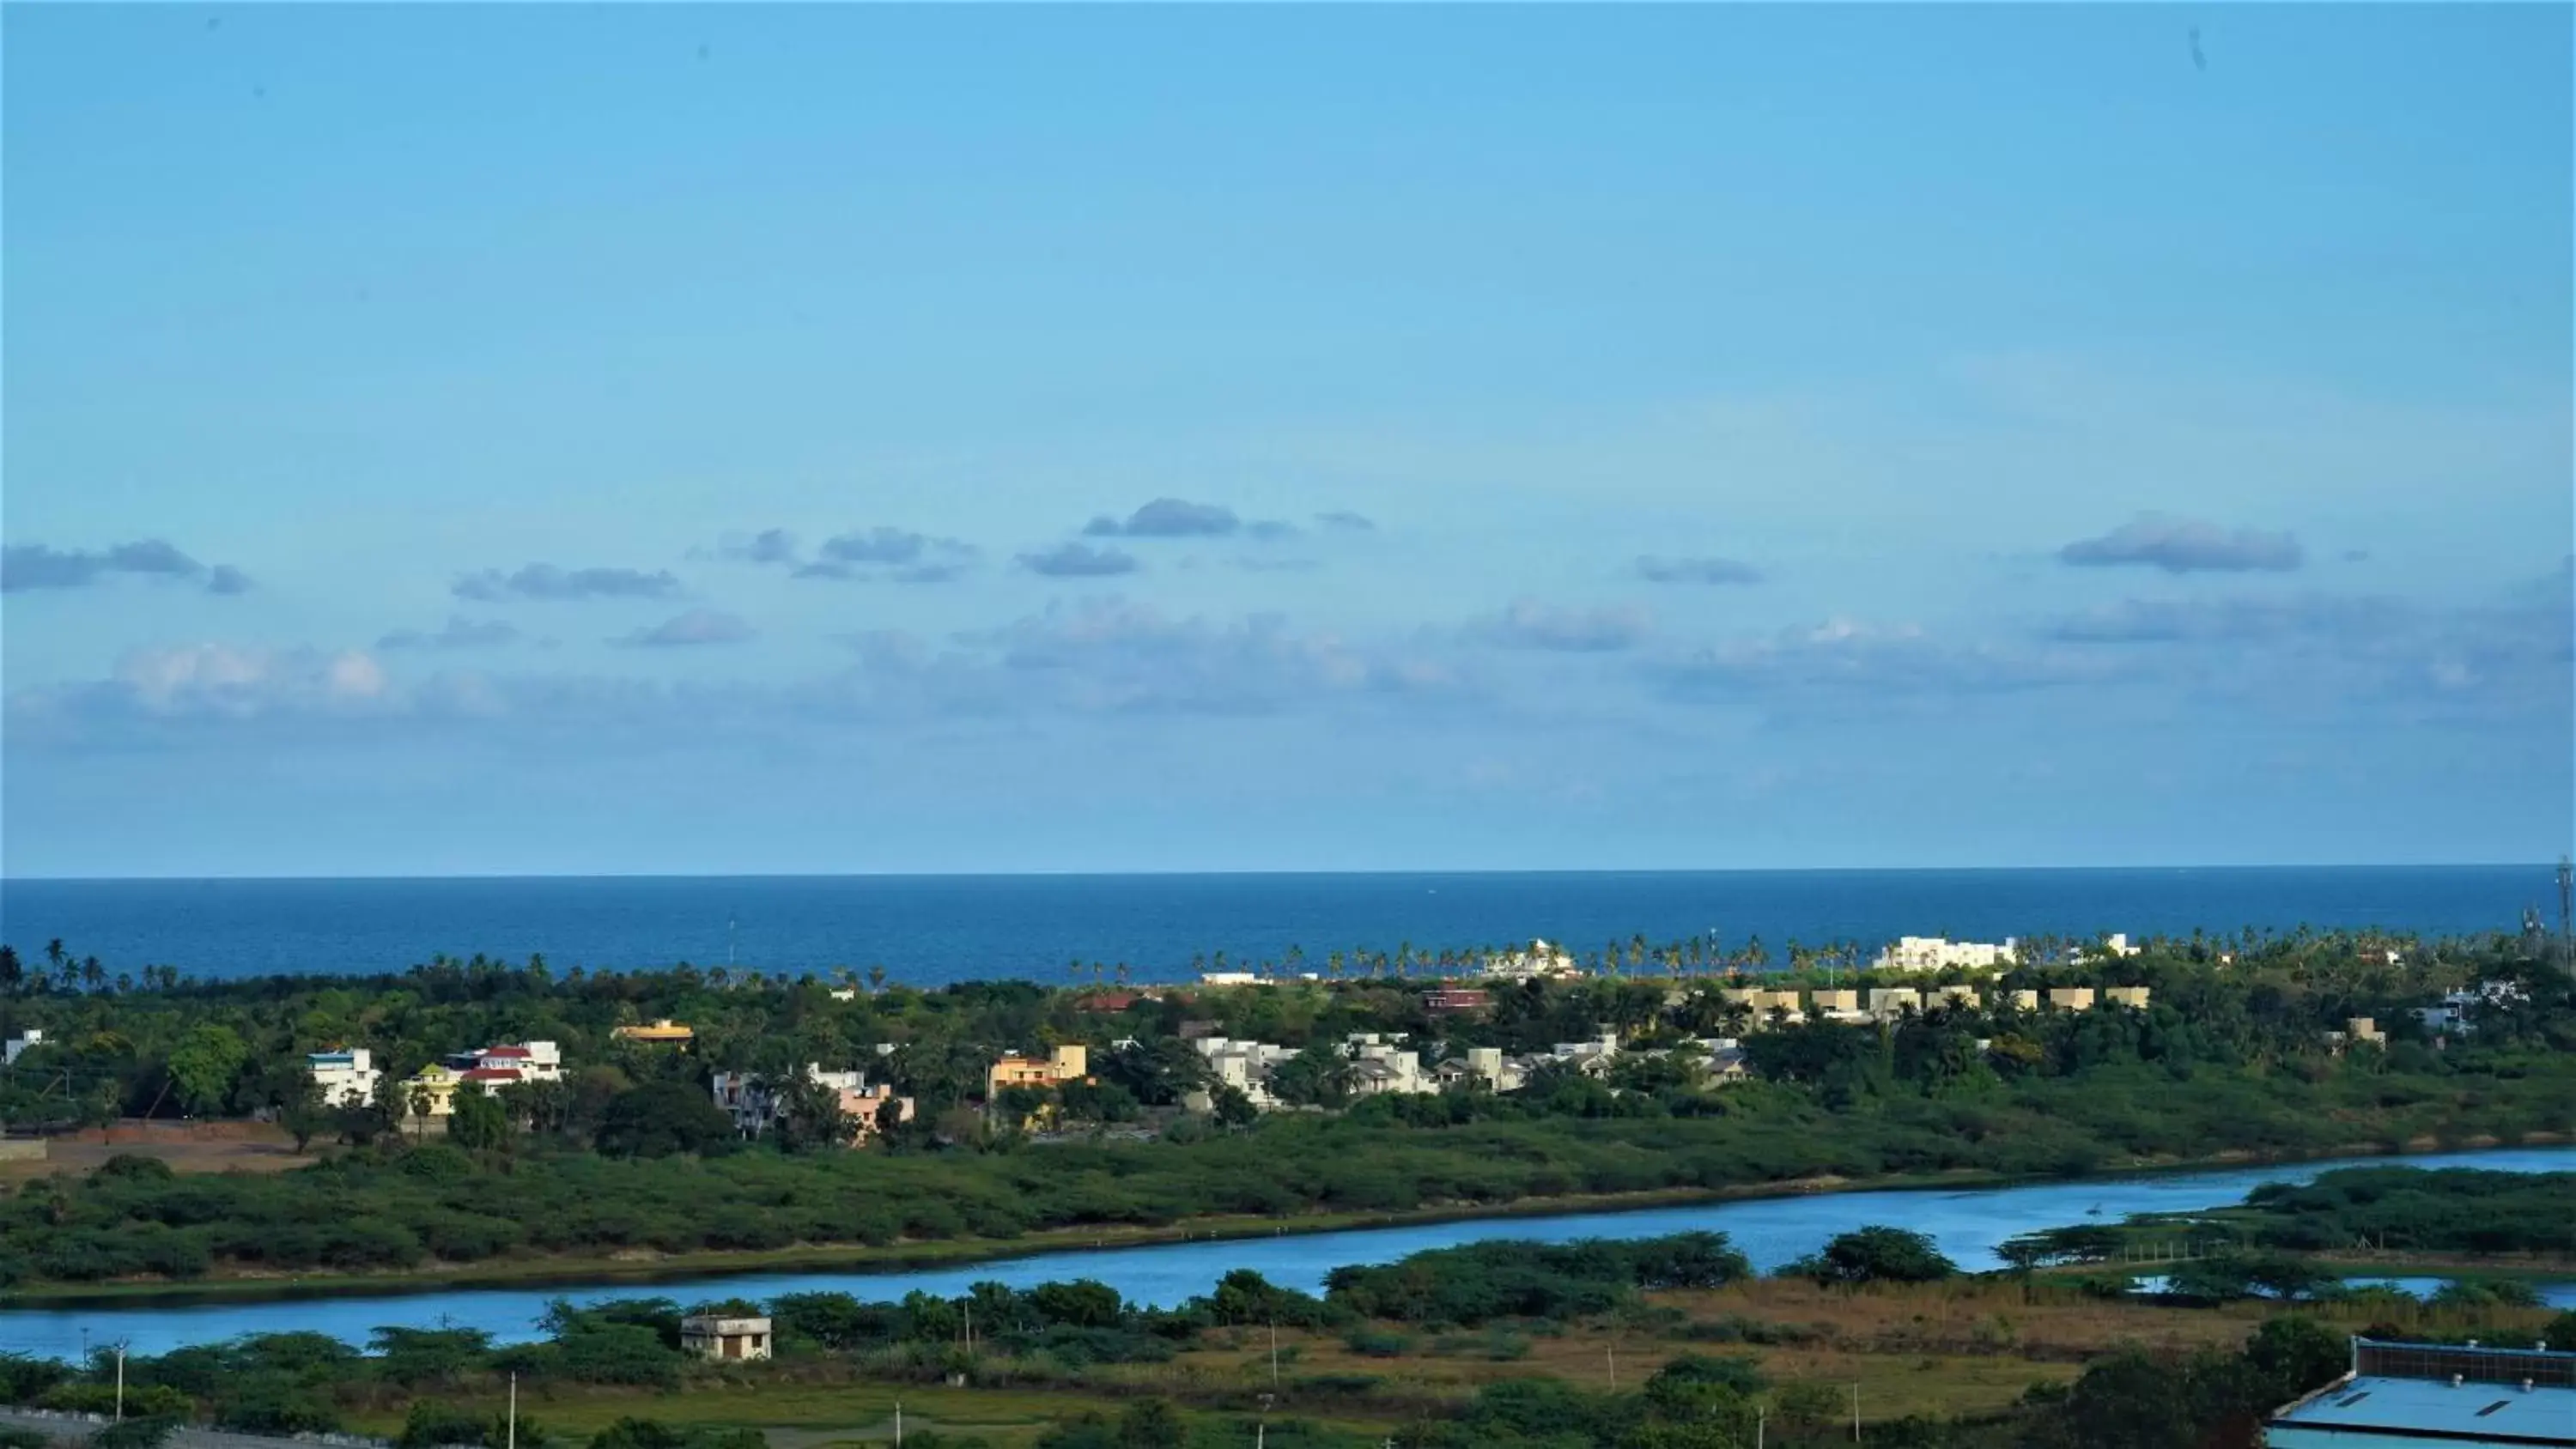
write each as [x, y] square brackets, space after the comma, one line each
[1488, 1065]
[756, 1104]
[16, 1046]
[708, 1335]
[1593, 1057]
[346, 1075]
[1243, 1065]
[1540, 959]
[2451, 1018]
[1937, 953]
[526, 1061]
[1383, 1065]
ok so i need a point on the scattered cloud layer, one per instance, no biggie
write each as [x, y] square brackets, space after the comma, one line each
[1079, 561]
[25, 566]
[1529, 624]
[2185, 545]
[1168, 518]
[1345, 521]
[458, 633]
[893, 554]
[697, 626]
[547, 581]
[769, 546]
[1704, 570]
[1871, 663]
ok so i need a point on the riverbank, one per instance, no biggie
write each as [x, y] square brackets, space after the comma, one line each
[631, 1268]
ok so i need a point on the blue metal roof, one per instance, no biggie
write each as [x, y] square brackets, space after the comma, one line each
[2474, 1412]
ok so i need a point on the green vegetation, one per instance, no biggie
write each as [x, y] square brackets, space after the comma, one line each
[2262, 1244]
[628, 1154]
[1584, 1345]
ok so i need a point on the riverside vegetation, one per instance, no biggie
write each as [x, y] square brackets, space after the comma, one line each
[629, 1156]
[1655, 1344]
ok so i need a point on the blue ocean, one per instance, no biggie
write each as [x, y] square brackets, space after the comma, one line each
[930, 930]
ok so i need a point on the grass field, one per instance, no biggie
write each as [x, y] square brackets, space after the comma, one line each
[1954, 1349]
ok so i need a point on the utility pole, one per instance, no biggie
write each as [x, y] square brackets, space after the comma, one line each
[1274, 1353]
[1612, 1351]
[1855, 1413]
[898, 1424]
[513, 1432]
[120, 1381]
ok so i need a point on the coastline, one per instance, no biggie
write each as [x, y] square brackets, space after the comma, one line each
[627, 1268]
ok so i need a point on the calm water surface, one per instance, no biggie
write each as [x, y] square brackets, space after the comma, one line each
[1967, 1225]
[931, 930]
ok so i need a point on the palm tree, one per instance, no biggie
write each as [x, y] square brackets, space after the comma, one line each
[1122, 973]
[876, 978]
[93, 975]
[54, 954]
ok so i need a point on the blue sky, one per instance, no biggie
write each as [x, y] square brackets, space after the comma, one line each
[1284, 437]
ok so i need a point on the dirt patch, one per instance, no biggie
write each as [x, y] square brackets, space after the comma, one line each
[186, 1146]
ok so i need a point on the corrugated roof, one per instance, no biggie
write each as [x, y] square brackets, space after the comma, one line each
[2480, 1412]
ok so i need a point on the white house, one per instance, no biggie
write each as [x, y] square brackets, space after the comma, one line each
[1383, 1065]
[1541, 959]
[346, 1075]
[1935, 953]
[756, 1104]
[1243, 1065]
[529, 1061]
[16, 1046]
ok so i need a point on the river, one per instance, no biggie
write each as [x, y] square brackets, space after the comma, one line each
[1771, 1231]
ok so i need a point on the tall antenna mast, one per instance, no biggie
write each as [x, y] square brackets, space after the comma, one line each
[729, 940]
[2567, 913]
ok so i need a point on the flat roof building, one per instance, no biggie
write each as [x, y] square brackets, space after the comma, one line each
[2419, 1393]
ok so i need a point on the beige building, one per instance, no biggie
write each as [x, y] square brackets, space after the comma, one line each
[1894, 1000]
[1956, 996]
[1064, 1064]
[713, 1336]
[2025, 1000]
[2070, 998]
[2132, 997]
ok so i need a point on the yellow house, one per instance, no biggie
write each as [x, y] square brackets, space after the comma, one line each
[2071, 998]
[1842, 1001]
[435, 1083]
[1955, 995]
[664, 1032]
[1064, 1064]
[2132, 997]
[2025, 1001]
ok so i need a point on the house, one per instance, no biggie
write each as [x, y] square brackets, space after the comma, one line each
[720, 1336]
[2396, 1394]
[662, 1032]
[432, 1087]
[1591, 1058]
[2132, 997]
[1243, 1065]
[2117, 944]
[16, 1046]
[756, 1104]
[2070, 998]
[1726, 1065]
[1893, 1001]
[1762, 1003]
[1936, 953]
[1838, 1005]
[2452, 1016]
[1956, 996]
[346, 1076]
[2024, 1000]
[1382, 1066]
[1540, 959]
[527, 1061]
[1486, 1065]
[1228, 978]
[1064, 1064]
[1108, 1001]
[2356, 1029]
[1452, 1000]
